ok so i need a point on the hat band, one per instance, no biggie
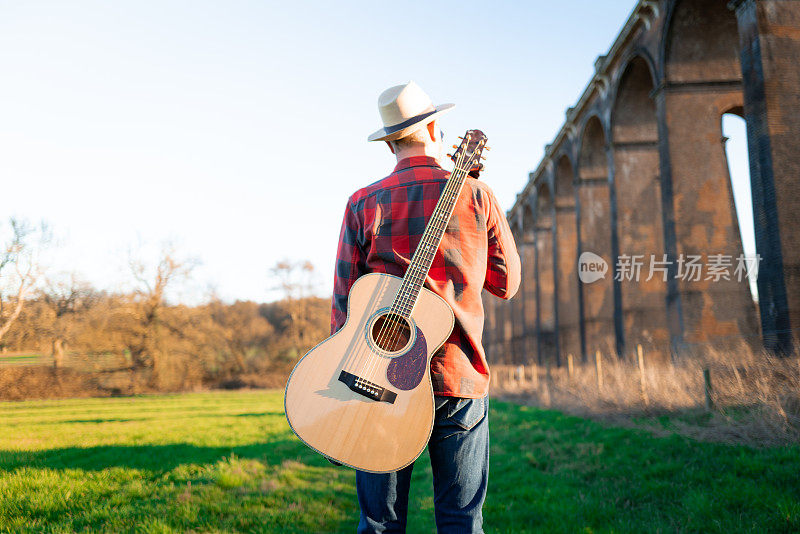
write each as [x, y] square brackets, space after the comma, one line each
[406, 123]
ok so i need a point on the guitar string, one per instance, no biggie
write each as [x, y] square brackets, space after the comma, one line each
[405, 293]
[371, 363]
[431, 243]
[402, 307]
[406, 300]
[419, 272]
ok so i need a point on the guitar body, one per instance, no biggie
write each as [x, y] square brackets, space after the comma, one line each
[364, 406]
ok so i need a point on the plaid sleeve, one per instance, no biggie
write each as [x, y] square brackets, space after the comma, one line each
[503, 268]
[350, 265]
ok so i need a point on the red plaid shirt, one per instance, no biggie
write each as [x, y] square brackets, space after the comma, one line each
[383, 224]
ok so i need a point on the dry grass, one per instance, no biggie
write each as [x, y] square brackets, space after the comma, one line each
[754, 397]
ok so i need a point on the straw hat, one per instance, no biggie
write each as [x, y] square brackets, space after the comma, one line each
[405, 109]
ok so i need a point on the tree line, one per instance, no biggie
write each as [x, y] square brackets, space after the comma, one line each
[146, 342]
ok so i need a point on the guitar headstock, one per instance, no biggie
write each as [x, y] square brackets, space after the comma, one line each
[469, 153]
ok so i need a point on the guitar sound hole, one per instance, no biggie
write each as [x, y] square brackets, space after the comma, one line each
[391, 332]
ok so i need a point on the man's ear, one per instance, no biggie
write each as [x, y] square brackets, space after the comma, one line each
[432, 130]
[391, 147]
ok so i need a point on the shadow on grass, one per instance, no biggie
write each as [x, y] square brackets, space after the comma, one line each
[56, 421]
[155, 458]
[232, 496]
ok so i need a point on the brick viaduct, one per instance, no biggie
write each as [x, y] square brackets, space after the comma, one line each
[639, 168]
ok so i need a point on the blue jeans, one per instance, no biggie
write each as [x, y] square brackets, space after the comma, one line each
[459, 451]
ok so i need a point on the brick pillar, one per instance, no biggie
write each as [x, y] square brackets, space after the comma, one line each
[567, 258]
[488, 326]
[641, 239]
[674, 309]
[528, 290]
[546, 290]
[499, 329]
[702, 81]
[616, 282]
[556, 314]
[595, 229]
[639, 221]
[537, 298]
[769, 35]
[715, 312]
[507, 320]
[518, 310]
[578, 251]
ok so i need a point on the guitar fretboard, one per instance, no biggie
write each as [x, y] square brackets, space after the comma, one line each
[429, 243]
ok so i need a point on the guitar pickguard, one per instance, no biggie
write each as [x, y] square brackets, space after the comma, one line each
[406, 372]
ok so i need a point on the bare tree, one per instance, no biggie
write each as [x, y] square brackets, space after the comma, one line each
[66, 297]
[298, 282]
[20, 268]
[153, 284]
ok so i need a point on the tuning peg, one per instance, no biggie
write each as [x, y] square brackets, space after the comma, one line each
[460, 137]
[487, 148]
[455, 146]
[450, 156]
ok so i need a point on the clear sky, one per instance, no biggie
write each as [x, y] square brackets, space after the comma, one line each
[237, 130]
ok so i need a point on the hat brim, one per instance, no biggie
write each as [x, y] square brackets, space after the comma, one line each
[383, 135]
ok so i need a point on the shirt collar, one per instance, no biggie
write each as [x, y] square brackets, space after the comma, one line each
[416, 161]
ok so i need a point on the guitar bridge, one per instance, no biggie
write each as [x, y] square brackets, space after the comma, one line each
[366, 388]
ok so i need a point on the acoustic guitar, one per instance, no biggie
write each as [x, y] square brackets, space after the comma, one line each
[363, 397]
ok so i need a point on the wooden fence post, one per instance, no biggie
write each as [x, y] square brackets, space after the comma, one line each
[535, 376]
[598, 360]
[547, 382]
[709, 390]
[640, 353]
[569, 365]
[738, 377]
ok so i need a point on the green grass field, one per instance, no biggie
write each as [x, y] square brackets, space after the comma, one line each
[227, 462]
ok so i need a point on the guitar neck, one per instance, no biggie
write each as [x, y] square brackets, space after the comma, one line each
[429, 243]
